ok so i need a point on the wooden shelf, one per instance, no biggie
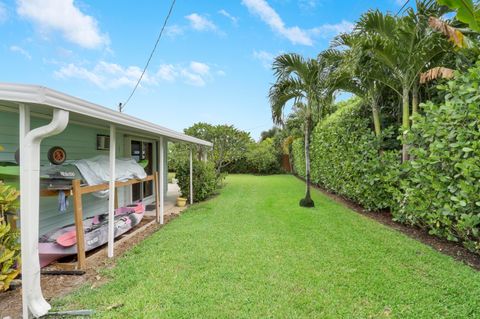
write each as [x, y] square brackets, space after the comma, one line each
[78, 190]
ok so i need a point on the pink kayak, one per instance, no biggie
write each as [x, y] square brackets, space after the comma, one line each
[62, 242]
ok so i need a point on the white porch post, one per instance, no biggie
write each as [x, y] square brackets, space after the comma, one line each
[161, 182]
[204, 155]
[24, 128]
[191, 176]
[33, 302]
[111, 191]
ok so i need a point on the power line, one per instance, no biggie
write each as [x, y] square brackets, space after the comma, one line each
[122, 106]
[406, 2]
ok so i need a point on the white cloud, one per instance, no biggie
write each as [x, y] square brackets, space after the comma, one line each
[167, 72]
[3, 13]
[266, 58]
[295, 34]
[63, 16]
[331, 30]
[307, 4]
[22, 51]
[194, 73]
[200, 23]
[200, 68]
[174, 30]
[193, 78]
[106, 75]
[73, 71]
[273, 19]
[232, 18]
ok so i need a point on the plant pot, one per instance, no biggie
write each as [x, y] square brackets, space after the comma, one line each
[181, 202]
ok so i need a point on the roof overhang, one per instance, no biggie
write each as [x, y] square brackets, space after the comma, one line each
[42, 96]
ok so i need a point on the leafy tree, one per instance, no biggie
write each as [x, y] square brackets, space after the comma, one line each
[300, 81]
[229, 143]
[269, 133]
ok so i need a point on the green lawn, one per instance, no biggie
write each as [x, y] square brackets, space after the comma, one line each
[252, 252]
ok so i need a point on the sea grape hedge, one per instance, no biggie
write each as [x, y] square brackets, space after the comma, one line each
[438, 189]
[440, 185]
[345, 157]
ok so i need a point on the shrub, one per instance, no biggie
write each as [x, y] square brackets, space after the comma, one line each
[9, 244]
[346, 157]
[439, 188]
[205, 180]
[263, 157]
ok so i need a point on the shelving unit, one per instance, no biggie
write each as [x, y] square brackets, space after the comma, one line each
[77, 191]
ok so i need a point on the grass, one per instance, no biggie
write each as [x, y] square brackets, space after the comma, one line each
[252, 252]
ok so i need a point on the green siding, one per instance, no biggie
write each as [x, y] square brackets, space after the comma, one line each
[79, 142]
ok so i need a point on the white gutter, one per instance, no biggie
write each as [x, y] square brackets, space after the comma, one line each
[32, 298]
[22, 93]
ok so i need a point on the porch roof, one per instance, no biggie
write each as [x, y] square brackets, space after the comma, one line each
[40, 97]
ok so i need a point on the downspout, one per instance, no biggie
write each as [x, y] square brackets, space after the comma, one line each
[32, 298]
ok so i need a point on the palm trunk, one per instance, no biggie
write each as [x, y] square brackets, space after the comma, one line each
[415, 99]
[307, 201]
[376, 117]
[405, 122]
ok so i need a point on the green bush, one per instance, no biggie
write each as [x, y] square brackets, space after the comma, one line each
[439, 187]
[263, 157]
[205, 180]
[346, 157]
[9, 244]
[239, 166]
[298, 153]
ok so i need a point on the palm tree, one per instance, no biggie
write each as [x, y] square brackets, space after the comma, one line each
[406, 46]
[354, 70]
[299, 80]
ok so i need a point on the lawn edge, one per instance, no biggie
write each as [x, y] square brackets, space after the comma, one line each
[384, 217]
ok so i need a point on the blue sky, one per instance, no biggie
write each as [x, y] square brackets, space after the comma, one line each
[212, 65]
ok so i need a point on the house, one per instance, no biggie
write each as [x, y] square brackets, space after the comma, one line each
[33, 119]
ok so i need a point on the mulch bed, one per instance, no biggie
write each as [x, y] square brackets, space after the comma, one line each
[453, 249]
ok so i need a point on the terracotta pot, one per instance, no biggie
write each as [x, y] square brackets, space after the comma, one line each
[181, 202]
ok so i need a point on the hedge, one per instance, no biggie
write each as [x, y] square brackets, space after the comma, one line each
[438, 189]
[439, 186]
[345, 158]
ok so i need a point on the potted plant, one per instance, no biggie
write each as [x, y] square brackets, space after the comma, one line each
[181, 201]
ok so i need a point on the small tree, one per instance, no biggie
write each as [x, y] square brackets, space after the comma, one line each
[300, 81]
[229, 143]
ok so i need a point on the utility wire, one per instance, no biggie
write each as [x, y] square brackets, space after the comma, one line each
[122, 106]
[406, 2]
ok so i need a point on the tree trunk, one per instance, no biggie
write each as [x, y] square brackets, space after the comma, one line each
[415, 99]
[405, 122]
[307, 201]
[376, 117]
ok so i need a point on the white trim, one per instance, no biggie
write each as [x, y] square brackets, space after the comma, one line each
[161, 181]
[111, 191]
[191, 177]
[34, 94]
